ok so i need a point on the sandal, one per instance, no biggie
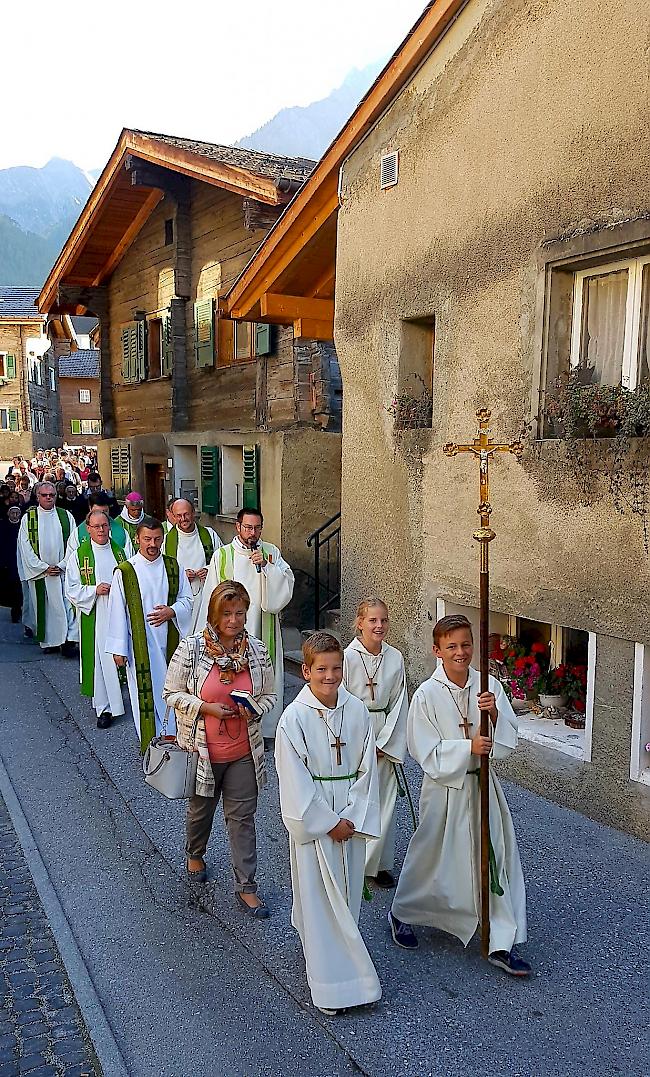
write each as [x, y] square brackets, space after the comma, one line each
[200, 876]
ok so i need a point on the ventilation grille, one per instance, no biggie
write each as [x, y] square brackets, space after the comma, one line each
[389, 170]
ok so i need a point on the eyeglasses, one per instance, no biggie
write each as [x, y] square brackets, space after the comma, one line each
[251, 527]
[47, 495]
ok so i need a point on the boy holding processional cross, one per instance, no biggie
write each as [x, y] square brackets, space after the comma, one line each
[440, 881]
[329, 798]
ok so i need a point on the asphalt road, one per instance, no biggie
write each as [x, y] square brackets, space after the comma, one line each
[191, 987]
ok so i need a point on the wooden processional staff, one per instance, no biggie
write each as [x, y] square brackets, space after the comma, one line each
[483, 448]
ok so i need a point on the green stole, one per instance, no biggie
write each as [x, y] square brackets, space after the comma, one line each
[171, 542]
[130, 527]
[118, 532]
[86, 556]
[32, 535]
[226, 570]
[139, 636]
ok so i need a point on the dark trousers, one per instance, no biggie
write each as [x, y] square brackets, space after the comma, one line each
[236, 784]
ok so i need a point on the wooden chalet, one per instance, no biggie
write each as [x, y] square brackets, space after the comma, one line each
[231, 412]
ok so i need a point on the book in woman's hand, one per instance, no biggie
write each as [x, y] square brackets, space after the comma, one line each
[247, 700]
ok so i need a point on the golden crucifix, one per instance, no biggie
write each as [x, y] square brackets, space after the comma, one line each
[483, 447]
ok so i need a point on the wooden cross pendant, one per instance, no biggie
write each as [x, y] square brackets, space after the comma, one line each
[86, 571]
[371, 685]
[464, 725]
[338, 744]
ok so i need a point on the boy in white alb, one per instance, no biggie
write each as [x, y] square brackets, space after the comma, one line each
[440, 881]
[329, 799]
[374, 672]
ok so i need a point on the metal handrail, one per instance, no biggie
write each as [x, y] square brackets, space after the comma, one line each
[323, 527]
[318, 540]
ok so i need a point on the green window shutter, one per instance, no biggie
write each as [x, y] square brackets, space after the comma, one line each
[262, 338]
[75, 426]
[251, 460]
[11, 366]
[204, 332]
[129, 353]
[13, 420]
[167, 358]
[211, 479]
[141, 351]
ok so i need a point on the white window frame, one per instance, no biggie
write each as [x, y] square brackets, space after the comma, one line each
[52, 378]
[5, 429]
[232, 478]
[634, 267]
[84, 396]
[93, 427]
[639, 758]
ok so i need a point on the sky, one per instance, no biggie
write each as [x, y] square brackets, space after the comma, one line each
[204, 69]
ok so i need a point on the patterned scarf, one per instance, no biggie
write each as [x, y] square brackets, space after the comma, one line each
[230, 663]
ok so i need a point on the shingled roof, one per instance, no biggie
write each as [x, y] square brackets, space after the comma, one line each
[270, 165]
[19, 304]
[83, 363]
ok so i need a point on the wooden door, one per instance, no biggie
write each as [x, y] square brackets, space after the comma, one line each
[154, 489]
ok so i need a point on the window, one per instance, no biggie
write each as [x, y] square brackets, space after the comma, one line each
[229, 478]
[38, 420]
[134, 356]
[412, 404]
[9, 420]
[154, 348]
[85, 426]
[52, 378]
[640, 753]
[7, 365]
[84, 396]
[243, 340]
[169, 231]
[250, 340]
[35, 371]
[610, 328]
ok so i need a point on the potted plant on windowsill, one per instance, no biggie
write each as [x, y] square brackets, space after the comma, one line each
[520, 670]
[578, 408]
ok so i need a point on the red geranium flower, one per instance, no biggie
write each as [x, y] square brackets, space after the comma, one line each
[538, 648]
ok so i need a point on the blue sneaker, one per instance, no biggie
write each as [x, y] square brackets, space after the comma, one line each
[403, 934]
[511, 962]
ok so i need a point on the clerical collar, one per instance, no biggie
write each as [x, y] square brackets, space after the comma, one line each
[241, 548]
[308, 699]
[100, 545]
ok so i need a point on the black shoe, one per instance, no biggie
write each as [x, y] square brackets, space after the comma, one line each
[51, 650]
[28, 633]
[385, 880]
[511, 962]
[69, 649]
[104, 720]
[258, 912]
[403, 934]
[269, 744]
[200, 876]
[16, 614]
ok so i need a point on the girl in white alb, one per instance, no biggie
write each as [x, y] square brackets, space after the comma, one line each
[374, 672]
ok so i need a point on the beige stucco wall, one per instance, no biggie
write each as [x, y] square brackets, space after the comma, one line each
[526, 128]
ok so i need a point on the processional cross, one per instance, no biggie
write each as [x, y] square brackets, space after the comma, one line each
[483, 447]
[86, 571]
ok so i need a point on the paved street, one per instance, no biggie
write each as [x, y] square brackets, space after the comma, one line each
[189, 986]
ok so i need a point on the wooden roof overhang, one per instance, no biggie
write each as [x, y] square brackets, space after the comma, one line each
[291, 278]
[118, 208]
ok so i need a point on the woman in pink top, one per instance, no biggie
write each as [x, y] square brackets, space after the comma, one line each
[203, 672]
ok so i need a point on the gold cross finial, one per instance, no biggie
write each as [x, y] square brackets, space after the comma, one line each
[484, 448]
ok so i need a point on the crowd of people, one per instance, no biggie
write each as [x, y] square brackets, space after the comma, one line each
[190, 625]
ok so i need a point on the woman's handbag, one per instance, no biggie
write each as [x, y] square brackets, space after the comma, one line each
[169, 768]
